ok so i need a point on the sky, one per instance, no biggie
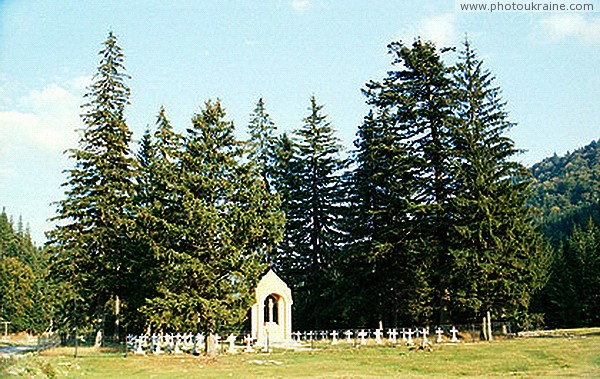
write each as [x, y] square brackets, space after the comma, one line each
[182, 53]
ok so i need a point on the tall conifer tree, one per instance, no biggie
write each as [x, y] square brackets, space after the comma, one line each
[91, 242]
[313, 213]
[224, 221]
[155, 204]
[402, 183]
[498, 259]
[286, 171]
[262, 141]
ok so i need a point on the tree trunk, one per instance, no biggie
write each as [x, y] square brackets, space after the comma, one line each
[484, 328]
[117, 314]
[489, 325]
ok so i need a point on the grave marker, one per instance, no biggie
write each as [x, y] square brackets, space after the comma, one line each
[348, 334]
[393, 334]
[454, 331]
[439, 333]
[334, 340]
[248, 341]
[231, 339]
[362, 334]
[410, 334]
[176, 343]
[378, 334]
[139, 350]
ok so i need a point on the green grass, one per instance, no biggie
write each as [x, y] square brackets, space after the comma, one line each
[574, 353]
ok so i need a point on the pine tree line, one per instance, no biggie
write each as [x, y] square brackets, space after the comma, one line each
[25, 295]
[425, 222]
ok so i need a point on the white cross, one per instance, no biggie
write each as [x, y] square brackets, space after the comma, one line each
[157, 349]
[378, 333]
[324, 335]
[348, 334]
[139, 349]
[310, 334]
[439, 333]
[454, 331]
[334, 340]
[198, 341]
[424, 333]
[297, 334]
[403, 335]
[231, 340]
[410, 334]
[392, 334]
[248, 341]
[177, 342]
[362, 334]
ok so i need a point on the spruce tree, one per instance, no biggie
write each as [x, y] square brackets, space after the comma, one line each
[313, 215]
[286, 170]
[560, 300]
[224, 222]
[402, 184]
[498, 259]
[262, 141]
[155, 204]
[91, 242]
[582, 256]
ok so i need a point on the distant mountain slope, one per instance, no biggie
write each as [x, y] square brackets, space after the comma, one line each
[566, 191]
[572, 180]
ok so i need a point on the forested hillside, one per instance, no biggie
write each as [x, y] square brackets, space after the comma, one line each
[23, 291]
[566, 192]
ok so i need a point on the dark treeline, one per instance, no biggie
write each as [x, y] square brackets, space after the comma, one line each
[426, 220]
[26, 299]
[567, 194]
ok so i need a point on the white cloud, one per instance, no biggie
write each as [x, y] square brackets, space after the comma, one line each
[300, 5]
[571, 26]
[44, 121]
[440, 29]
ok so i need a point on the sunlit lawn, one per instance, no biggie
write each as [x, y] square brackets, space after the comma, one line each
[574, 353]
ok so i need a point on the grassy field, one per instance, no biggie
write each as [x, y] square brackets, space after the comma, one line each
[572, 353]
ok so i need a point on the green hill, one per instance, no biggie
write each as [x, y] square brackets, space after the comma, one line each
[566, 191]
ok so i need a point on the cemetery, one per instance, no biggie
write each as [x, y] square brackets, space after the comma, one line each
[369, 216]
[271, 323]
[271, 348]
[568, 353]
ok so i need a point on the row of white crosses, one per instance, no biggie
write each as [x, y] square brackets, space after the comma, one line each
[170, 342]
[393, 334]
[176, 344]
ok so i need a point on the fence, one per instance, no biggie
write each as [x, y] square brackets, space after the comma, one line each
[47, 341]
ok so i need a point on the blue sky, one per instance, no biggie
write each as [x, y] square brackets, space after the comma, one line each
[181, 53]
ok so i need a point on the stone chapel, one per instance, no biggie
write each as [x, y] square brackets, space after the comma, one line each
[271, 315]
